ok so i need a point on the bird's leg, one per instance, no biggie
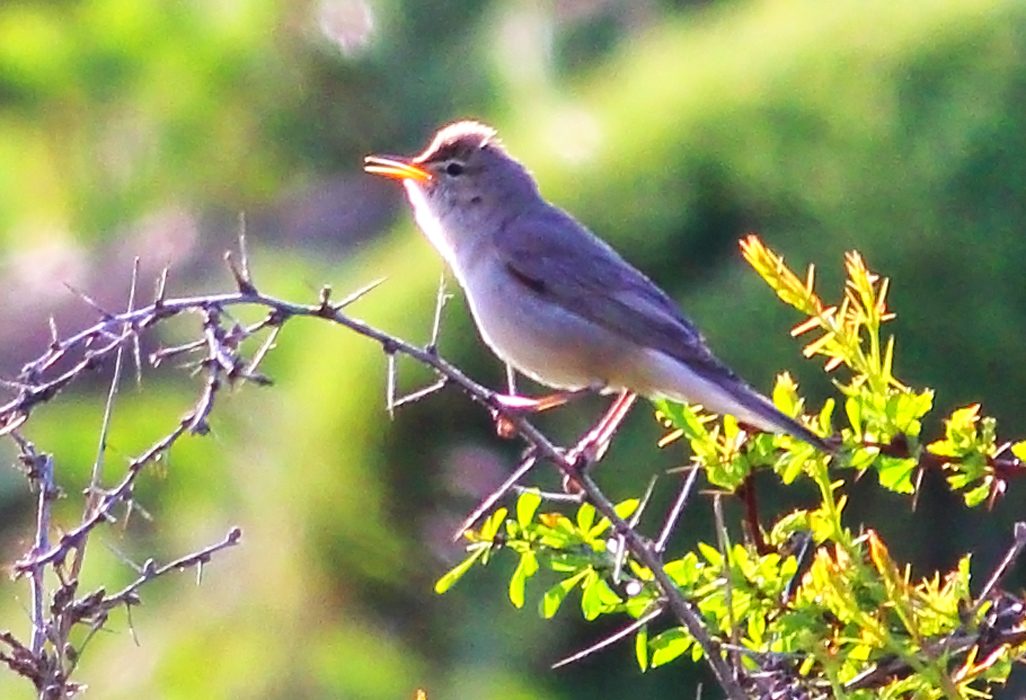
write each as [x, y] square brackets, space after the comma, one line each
[596, 441]
[511, 380]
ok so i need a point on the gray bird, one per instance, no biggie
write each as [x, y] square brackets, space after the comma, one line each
[550, 298]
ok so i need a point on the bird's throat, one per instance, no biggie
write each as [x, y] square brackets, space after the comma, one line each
[429, 222]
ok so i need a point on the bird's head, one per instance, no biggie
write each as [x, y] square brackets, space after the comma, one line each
[464, 179]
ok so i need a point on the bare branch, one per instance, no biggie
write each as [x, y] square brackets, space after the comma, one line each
[360, 293]
[675, 512]
[723, 542]
[149, 571]
[1018, 543]
[495, 496]
[419, 394]
[611, 639]
[41, 474]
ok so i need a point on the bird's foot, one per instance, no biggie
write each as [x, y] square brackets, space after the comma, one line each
[516, 404]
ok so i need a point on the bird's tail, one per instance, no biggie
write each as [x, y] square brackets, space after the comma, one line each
[756, 410]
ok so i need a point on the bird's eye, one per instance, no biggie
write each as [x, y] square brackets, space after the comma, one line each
[454, 168]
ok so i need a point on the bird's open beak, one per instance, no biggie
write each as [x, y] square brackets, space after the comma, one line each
[396, 168]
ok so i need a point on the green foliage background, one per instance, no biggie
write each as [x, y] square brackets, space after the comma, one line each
[671, 129]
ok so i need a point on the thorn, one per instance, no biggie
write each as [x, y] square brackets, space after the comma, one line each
[244, 251]
[243, 284]
[357, 295]
[136, 352]
[415, 396]
[491, 499]
[440, 300]
[104, 314]
[325, 310]
[161, 295]
[266, 347]
[611, 639]
[390, 381]
[135, 283]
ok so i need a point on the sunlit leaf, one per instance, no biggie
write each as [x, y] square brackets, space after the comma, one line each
[526, 568]
[585, 517]
[976, 496]
[527, 505]
[667, 646]
[454, 574]
[641, 647]
[491, 526]
[597, 597]
[554, 597]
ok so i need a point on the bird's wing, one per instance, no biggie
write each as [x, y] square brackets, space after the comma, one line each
[557, 258]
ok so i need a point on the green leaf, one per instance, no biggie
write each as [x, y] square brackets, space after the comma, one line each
[683, 571]
[790, 466]
[896, 474]
[711, 554]
[527, 568]
[826, 415]
[641, 602]
[729, 475]
[976, 496]
[625, 509]
[527, 506]
[888, 360]
[853, 407]
[641, 647]
[491, 526]
[788, 525]
[597, 597]
[554, 597]
[668, 645]
[863, 459]
[730, 427]
[454, 574]
[923, 403]
[684, 417]
[785, 395]
[556, 535]
[756, 628]
[585, 517]
[906, 409]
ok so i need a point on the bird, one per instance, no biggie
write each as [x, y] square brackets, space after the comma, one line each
[553, 300]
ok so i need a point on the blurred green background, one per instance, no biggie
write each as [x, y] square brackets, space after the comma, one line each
[670, 128]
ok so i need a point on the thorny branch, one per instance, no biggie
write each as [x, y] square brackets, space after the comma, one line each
[39, 382]
[49, 660]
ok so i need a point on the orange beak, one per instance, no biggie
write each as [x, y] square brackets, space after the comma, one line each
[395, 168]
